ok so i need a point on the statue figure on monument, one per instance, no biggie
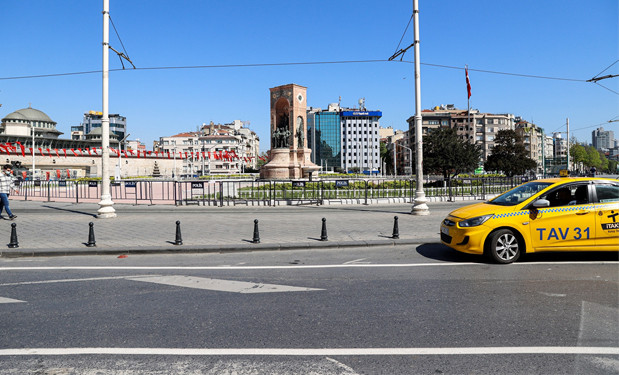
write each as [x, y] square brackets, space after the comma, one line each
[300, 136]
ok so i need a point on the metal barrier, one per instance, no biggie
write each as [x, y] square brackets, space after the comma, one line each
[263, 192]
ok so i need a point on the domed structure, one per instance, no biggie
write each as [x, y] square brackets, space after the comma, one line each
[28, 114]
[21, 122]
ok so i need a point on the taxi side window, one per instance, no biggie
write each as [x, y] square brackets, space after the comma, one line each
[607, 193]
[559, 197]
[568, 195]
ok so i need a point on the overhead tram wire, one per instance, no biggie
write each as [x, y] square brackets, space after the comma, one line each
[287, 64]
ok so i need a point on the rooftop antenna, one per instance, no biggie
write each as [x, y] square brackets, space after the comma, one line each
[362, 104]
[339, 103]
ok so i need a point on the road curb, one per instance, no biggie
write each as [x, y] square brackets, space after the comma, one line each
[188, 249]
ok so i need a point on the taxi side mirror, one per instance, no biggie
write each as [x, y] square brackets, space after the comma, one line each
[541, 203]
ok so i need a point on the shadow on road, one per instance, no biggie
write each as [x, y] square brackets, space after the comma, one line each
[73, 211]
[443, 253]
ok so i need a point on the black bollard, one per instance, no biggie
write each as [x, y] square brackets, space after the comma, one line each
[91, 235]
[323, 233]
[396, 230]
[179, 239]
[13, 244]
[256, 232]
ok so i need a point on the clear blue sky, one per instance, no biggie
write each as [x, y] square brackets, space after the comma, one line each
[551, 38]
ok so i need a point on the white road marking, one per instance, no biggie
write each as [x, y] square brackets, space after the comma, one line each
[341, 365]
[220, 285]
[484, 350]
[9, 300]
[67, 280]
[553, 294]
[357, 261]
[317, 266]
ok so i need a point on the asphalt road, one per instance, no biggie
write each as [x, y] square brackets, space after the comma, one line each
[383, 310]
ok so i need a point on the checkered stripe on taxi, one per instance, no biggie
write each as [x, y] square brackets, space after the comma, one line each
[546, 210]
[567, 209]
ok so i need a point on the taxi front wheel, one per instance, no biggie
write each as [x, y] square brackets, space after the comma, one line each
[504, 246]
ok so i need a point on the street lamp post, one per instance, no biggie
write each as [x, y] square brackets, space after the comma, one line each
[419, 206]
[174, 167]
[106, 209]
[120, 144]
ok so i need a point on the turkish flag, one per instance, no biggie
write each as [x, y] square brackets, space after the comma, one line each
[468, 82]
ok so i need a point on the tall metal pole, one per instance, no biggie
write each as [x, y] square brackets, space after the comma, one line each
[106, 209]
[568, 145]
[33, 166]
[394, 158]
[419, 206]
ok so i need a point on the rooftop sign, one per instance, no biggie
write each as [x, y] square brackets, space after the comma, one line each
[362, 113]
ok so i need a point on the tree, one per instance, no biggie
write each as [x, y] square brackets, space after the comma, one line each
[578, 153]
[509, 155]
[446, 153]
[593, 158]
[386, 158]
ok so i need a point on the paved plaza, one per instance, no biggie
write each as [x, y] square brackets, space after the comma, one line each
[54, 228]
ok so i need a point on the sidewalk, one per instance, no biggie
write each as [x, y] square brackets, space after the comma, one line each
[53, 228]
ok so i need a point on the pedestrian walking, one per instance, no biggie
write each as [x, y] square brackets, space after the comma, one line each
[7, 184]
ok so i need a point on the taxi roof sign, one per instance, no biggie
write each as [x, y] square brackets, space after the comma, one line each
[564, 173]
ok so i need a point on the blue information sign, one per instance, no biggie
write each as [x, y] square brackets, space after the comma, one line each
[197, 185]
[130, 184]
[341, 183]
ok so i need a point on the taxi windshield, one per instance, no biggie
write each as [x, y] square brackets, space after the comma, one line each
[519, 194]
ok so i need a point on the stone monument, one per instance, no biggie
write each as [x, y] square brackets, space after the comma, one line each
[290, 157]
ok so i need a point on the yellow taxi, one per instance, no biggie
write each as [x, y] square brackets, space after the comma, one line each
[556, 214]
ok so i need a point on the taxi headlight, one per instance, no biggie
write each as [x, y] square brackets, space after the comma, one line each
[475, 221]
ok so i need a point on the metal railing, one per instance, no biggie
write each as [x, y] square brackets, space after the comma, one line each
[263, 192]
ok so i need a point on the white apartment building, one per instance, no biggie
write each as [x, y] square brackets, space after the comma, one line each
[215, 149]
[360, 139]
[533, 140]
[474, 126]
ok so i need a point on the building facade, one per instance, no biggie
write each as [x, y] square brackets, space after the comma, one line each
[474, 126]
[324, 136]
[533, 140]
[92, 121]
[345, 138]
[603, 139]
[215, 149]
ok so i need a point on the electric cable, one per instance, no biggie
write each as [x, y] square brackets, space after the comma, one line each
[290, 64]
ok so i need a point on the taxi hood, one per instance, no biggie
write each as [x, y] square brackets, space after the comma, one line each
[478, 209]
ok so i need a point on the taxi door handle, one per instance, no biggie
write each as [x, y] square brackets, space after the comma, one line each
[583, 212]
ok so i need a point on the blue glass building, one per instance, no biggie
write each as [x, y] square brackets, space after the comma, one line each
[324, 138]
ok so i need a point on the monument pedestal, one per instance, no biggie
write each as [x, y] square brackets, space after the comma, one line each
[289, 164]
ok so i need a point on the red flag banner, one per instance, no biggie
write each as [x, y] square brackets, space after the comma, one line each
[68, 174]
[58, 173]
[65, 152]
[468, 82]
[23, 149]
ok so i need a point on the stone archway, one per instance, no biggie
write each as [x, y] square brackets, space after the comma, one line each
[282, 133]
